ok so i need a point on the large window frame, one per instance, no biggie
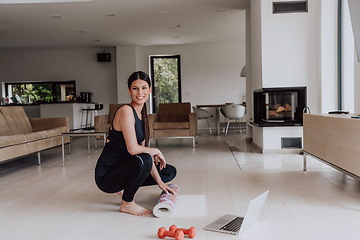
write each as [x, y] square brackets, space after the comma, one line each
[152, 65]
[29, 92]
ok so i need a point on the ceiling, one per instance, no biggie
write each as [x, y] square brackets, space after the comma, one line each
[108, 23]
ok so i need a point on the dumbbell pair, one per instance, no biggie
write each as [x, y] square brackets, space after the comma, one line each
[177, 233]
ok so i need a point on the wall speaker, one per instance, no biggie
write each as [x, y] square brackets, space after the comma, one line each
[104, 57]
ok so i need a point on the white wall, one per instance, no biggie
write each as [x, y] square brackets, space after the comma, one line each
[256, 44]
[210, 73]
[348, 49]
[327, 99]
[357, 85]
[289, 47]
[125, 66]
[78, 64]
[355, 27]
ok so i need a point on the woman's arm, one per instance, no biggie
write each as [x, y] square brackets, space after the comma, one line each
[124, 121]
[155, 174]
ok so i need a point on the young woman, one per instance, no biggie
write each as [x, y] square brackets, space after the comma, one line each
[126, 163]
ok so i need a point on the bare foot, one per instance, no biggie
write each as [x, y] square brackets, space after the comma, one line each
[120, 193]
[133, 208]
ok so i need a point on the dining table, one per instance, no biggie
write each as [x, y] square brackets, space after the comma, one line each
[217, 113]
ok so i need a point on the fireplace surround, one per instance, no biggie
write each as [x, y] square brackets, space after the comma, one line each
[275, 107]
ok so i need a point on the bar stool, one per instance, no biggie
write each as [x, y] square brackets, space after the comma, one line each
[90, 113]
[88, 120]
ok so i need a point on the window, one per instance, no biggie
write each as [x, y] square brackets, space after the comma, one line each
[165, 74]
[40, 92]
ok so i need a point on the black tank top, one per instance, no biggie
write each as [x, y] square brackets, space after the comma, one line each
[118, 136]
[115, 149]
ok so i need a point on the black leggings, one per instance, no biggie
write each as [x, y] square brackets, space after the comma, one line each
[131, 174]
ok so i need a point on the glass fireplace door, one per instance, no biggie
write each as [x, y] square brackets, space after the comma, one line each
[280, 106]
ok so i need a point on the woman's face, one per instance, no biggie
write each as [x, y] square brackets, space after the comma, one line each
[139, 91]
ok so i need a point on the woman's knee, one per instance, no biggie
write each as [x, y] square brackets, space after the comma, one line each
[145, 161]
[168, 173]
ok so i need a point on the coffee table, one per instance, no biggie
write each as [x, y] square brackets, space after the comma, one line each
[80, 133]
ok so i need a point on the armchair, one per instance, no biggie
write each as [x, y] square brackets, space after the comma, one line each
[102, 122]
[174, 120]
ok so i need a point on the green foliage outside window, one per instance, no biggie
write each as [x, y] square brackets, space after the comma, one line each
[33, 93]
[166, 80]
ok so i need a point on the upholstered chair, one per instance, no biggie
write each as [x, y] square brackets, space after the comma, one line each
[173, 120]
[102, 122]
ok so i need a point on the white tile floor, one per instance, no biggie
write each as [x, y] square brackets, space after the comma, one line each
[52, 202]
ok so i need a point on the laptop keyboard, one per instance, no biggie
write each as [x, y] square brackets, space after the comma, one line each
[234, 225]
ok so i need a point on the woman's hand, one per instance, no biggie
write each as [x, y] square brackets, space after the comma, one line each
[165, 188]
[160, 159]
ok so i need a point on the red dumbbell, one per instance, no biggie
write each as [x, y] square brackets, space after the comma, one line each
[179, 235]
[191, 232]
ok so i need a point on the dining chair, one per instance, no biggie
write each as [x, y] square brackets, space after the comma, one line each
[233, 112]
[203, 114]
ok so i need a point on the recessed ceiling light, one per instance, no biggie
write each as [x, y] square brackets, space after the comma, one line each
[220, 9]
[56, 16]
[110, 14]
[166, 12]
[174, 27]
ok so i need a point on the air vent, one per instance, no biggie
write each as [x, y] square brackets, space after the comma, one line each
[290, 7]
[291, 142]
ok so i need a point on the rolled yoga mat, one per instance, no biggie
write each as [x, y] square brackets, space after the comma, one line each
[166, 203]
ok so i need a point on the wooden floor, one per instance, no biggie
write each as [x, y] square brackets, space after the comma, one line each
[55, 202]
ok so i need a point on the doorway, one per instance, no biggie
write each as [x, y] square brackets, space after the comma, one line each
[166, 80]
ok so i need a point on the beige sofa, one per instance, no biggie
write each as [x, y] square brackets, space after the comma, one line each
[20, 135]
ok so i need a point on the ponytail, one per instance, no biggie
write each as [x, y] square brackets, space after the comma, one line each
[146, 124]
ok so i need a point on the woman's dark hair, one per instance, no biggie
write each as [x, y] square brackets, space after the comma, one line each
[142, 76]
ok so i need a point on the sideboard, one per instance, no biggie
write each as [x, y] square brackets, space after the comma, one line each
[333, 139]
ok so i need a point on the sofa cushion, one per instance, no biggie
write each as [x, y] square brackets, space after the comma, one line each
[171, 125]
[56, 131]
[17, 120]
[6, 141]
[4, 128]
[35, 136]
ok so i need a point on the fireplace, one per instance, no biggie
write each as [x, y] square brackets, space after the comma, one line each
[279, 106]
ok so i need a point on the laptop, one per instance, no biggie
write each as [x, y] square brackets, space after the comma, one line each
[232, 224]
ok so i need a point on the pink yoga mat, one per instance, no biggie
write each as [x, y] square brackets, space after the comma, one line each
[166, 203]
